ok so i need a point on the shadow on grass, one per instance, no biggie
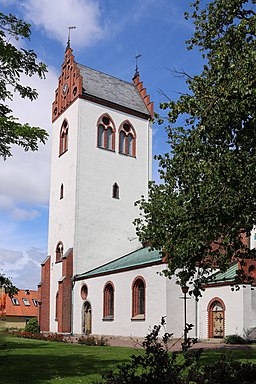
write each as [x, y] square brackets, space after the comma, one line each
[247, 354]
[23, 361]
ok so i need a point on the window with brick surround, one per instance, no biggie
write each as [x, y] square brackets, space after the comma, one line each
[106, 133]
[138, 298]
[84, 292]
[63, 137]
[127, 139]
[108, 304]
[59, 252]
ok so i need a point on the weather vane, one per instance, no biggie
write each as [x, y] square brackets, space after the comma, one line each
[69, 29]
[136, 68]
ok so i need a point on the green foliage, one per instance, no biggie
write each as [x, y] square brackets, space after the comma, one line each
[234, 339]
[93, 340]
[222, 371]
[6, 283]
[14, 63]
[32, 326]
[206, 199]
[158, 366]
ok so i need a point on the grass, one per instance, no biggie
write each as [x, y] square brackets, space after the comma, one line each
[243, 355]
[40, 362]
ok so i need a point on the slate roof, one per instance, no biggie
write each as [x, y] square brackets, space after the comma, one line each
[224, 277]
[140, 258]
[111, 89]
[9, 309]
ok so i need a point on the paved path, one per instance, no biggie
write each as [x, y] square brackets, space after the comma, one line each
[175, 345]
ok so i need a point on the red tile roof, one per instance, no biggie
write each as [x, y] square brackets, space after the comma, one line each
[8, 308]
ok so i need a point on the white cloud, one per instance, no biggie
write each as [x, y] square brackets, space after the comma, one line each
[54, 17]
[16, 213]
[9, 256]
[22, 267]
[25, 176]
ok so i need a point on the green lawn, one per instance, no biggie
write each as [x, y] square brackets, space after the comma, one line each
[40, 362]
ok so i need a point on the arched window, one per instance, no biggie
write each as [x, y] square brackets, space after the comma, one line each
[127, 139]
[61, 191]
[138, 298]
[115, 192]
[216, 318]
[106, 133]
[63, 137]
[59, 252]
[108, 303]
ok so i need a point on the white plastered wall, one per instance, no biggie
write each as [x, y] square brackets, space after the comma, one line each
[104, 229]
[176, 310]
[234, 313]
[122, 325]
[62, 211]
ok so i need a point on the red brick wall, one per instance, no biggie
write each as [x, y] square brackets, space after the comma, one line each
[44, 296]
[65, 294]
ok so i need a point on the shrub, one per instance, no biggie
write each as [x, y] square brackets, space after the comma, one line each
[158, 366]
[93, 340]
[32, 326]
[39, 336]
[234, 339]
[155, 366]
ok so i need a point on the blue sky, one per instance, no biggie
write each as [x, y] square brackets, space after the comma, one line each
[108, 34]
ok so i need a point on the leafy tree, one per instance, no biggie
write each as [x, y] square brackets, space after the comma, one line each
[205, 202]
[6, 283]
[15, 62]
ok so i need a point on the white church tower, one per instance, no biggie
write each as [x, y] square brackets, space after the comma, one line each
[101, 164]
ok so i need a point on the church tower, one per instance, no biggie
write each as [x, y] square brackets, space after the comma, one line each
[100, 165]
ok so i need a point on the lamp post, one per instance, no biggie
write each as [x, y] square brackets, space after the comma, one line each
[185, 289]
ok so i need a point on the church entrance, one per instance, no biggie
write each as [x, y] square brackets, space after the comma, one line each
[216, 318]
[87, 318]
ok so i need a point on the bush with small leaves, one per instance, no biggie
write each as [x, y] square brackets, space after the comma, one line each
[93, 340]
[234, 339]
[32, 326]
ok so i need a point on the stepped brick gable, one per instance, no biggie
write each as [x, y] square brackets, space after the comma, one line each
[69, 85]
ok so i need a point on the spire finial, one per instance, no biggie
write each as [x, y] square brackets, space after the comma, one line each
[69, 29]
[136, 68]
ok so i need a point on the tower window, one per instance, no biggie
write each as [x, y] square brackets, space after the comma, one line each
[115, 193]
[61, 191]
[127, 139]
[106, 133]
[108, 307]
[63, 138]
[59, 251]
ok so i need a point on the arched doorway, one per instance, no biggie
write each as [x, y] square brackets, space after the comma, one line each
[87, 318]
[216, 318]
